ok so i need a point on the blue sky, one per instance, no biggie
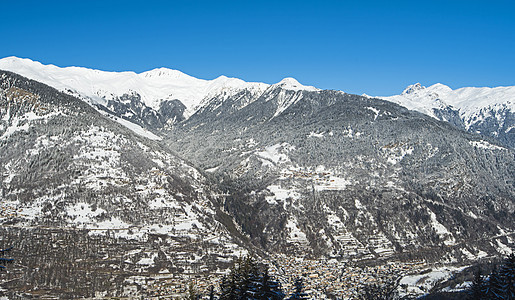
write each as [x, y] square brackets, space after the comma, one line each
[373, 47]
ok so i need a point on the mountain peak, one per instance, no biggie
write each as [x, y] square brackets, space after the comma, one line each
[413, 88]
[165, 72]
[290, 83]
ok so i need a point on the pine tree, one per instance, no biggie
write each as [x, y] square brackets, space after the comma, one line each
[211, 292]
[298, 293]
[239, 280]
[245, 281]
[268, 289]
[476, 290]
[3, 260]
[192, 294]
[493, 287]
[507, 275]
[228, 288]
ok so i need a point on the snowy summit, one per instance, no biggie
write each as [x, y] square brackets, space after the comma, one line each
[289, 83]
[154, 86]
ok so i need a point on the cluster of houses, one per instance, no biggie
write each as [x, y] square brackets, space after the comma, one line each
[8, 211]
[338, 278]
[321, 278]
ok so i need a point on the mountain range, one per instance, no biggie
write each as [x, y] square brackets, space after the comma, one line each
[163, 173]
[162, 97]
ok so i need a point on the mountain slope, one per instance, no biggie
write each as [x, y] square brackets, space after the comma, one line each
[115, 203]
[301, 171]
[152, 99]
[489, 111]
[328, 173]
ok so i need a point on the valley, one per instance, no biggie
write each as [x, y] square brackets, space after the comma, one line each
[140, 183]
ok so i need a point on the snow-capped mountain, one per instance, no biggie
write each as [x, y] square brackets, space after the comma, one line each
[153, 86]
[72, 177]
[153, 98]
[161, 97]
[281, 168]
[488, 111]
[329, 173]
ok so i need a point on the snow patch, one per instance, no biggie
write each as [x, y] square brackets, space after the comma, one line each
[134, 127]
[421, 284]
[275, 153]
[295, 235]
[212, 170]
[441, 230]
[82, 213]
[375, 110]
[485, 145]
[317, 135]
[280, 194]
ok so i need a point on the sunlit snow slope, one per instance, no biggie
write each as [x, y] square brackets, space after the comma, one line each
[489, 111]
[154, 86]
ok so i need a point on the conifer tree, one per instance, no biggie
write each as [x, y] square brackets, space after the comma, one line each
[228, 288]
[298, 292]
[476, 290]
[3, 260]
[493, 287]
[211, 292]
[192, 294]
[507, 275]
[268, 289]
[245, 281]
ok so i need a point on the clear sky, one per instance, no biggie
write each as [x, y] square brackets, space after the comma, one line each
[373, 47]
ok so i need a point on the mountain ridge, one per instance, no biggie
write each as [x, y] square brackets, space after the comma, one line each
[200, 87]
[163, 97]
[484, 110]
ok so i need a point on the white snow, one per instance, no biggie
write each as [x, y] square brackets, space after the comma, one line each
[134, 127]
[163, 202]
[148, 260]
[395, 153]
[315, 134]
[349, 132]
[113, 223]
[440, 229]
[283, 101]
[485, 145]
[502, 248]
[295, 235]
[292, 84]
[82, 213]
[421, 284]
[375, 111]
[24, 122]
[358, 205]
[153, 86]
[15, 127]
[481, 253]
[470, 101]
[332, 182]
[158, 85]
[280, 194]
[212, 170]
[275, 153]
[472, 215]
